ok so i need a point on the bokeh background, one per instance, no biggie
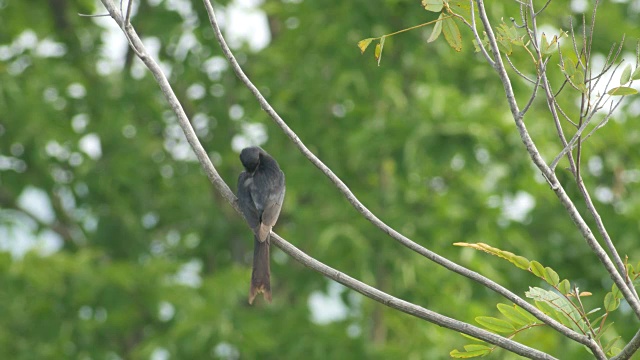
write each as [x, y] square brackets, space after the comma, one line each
[113, 244]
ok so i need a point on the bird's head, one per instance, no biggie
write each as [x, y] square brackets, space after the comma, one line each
[250, 158]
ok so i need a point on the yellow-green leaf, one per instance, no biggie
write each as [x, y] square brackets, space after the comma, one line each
[564, 287]
[569, 67]
[433, 5]
[470, 337]
[614, 351]
[467, 355]
[532, 319]
[549, 47]
[437, 29]
[551, 277]
[476, 347]
[495, 324]
[611, 302]
[622, 91]
[616, 292]
[513, 315]
[378, 52]
[626, 75]
[537, 269]
[636, 74]
[363, 44]
[452, 34]
[521, 262]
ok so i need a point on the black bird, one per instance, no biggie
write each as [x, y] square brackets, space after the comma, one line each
[260, 194]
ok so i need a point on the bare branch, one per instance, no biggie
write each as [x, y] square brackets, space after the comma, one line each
[92, 15]
[629, 349]
[405, 306]
[127, 20]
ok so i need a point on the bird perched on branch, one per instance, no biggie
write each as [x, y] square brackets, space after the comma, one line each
[260, 194]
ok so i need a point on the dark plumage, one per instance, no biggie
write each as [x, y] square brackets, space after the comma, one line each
[260, 194]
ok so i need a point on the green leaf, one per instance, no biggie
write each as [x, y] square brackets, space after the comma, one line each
[378, 51]
[513, 315]
[467, 355]
[614, 351]
[476, 347]
[363, 44]
[551, 277]
[437, 30]
[495, 324]
[461, 4]
[544, 43]
[626, 75]
[433, 5]
[470, 337]
[610, 344]
[578, 77]
[569, 67]
[547, 48]
[521, 262]
[557, 305]
[537, 269]
[505, 45]
[610, 302]
[452, 34]
[622, 91]
[616, 292]
[636, 74]
[593, 311]
[564, 287]
[531, 319]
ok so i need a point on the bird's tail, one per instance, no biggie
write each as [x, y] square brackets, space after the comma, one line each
[261, 273]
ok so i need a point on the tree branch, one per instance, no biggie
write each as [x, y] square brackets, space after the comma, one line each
[403, 305]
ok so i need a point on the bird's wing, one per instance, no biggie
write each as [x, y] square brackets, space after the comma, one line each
[245, 202]
[271, 212]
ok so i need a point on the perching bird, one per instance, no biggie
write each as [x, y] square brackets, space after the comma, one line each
[260, 194]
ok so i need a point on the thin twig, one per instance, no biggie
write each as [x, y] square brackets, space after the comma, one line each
[566, 117]
[535, 92]
[92, 15]
[542, 9]
[127, 19]
[575, 43]
[474, 30]
[520, 73]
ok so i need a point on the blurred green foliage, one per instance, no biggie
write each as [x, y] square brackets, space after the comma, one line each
[149, 261]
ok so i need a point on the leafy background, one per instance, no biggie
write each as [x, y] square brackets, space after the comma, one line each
[133, 255]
